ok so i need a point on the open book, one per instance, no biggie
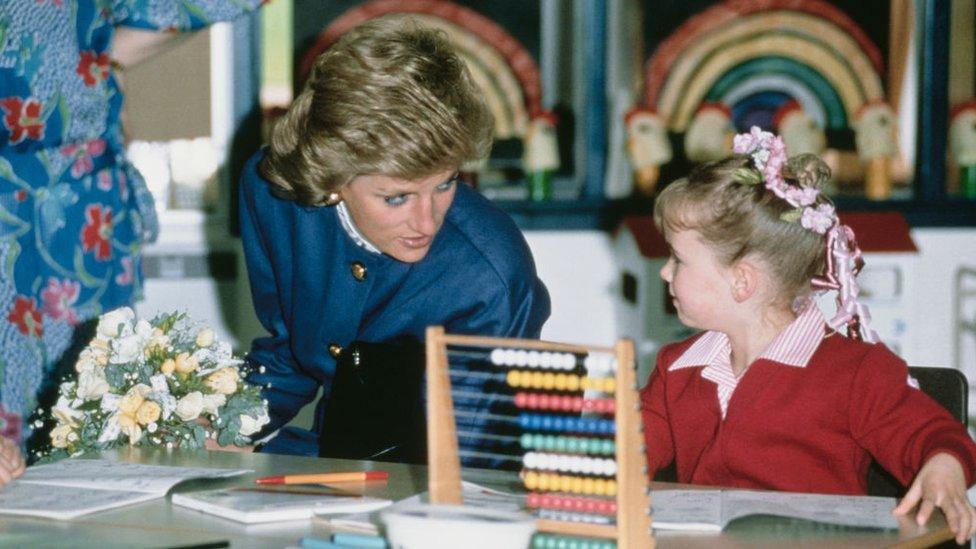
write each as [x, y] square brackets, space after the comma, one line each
[712, 510]
[251, 505]
[74, 487]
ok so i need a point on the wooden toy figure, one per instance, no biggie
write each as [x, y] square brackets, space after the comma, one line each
[648, 148]
[876, 138]
[801, 133]
[541, 155]
[962, 142]
[709, 135]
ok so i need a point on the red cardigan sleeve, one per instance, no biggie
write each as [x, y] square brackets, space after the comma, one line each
[658, 442]
[900, 425]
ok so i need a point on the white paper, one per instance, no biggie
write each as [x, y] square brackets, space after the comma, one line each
[714, 509]
[73, 487]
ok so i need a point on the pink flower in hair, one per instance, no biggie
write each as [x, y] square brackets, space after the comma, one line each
[801, 196]
[745, 143]
[819, 219]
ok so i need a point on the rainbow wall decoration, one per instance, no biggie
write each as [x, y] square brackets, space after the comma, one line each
[498, 63]
[755, 55]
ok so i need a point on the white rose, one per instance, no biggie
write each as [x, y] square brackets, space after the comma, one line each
[92, 385]
[144, 330]
[250, 425]
[112, 323]
[212, 402]
[190, 406]
[205, 337]
[65, 413]
[86, 361]
[126, 349]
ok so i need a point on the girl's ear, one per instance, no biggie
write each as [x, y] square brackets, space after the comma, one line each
[746, 278]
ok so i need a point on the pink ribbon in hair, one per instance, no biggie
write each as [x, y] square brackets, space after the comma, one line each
[844, 261]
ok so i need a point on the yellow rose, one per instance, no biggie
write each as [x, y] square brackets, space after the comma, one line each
[185, 363]
[148, 412]
[205, 337]
[59, 436]
[132, 400]
[224, 380]
[168, 366]
[130, 427]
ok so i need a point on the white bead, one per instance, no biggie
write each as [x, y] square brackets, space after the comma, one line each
[569, 361]
[521, 358]
[510, 357]
[497, 357]
[535, 359]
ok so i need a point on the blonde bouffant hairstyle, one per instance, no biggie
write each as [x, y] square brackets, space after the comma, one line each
[389, 98]
[738, 219]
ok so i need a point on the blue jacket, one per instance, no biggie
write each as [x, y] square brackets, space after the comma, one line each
[478, 278]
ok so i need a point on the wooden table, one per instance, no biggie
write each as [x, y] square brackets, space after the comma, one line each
[157, 523]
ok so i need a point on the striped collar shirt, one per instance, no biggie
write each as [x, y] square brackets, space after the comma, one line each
[794, 346]
[347, 225]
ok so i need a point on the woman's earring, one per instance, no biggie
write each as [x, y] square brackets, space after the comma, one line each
[333, 199]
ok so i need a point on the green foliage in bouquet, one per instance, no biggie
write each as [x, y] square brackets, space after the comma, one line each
[164, 382]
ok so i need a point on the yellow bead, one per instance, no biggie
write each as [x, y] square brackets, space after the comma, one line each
[545, 481]
[536, 379]
[560, 382]
[588, 486]
[513, 378]
[572, 382]
[577, 487]
[548, 381]
[531, 480]
[565, 483]
[609, 385]
[611, 487]
[600, 487]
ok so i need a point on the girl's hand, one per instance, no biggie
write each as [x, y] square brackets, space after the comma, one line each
[941, 483]
[11, 461]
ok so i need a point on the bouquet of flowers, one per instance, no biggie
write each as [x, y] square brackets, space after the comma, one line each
[164, 382]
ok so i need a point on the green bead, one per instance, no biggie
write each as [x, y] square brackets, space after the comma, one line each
[560, 444]
[526, 441]
[549, 441]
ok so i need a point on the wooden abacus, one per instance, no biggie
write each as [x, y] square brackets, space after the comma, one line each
[559, 379]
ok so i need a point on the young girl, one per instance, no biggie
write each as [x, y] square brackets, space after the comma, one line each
[771, 396]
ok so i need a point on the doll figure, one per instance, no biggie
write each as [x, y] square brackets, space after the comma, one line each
[541, 155]
[962, 143]
[801, 133]
[648, 148]
[709, 135]
[876, 139]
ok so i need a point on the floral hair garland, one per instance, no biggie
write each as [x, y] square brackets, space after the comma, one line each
[844, 259]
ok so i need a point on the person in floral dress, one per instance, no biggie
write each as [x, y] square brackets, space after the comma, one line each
[74, 213]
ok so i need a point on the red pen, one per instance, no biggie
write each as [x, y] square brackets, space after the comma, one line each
[325, 478]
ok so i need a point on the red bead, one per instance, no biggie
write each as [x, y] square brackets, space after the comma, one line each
[543, 401]
[533, 499]
[520, 400]
[532, 401]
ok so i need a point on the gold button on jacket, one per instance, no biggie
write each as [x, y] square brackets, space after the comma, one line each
[358, 271]
[335, 350]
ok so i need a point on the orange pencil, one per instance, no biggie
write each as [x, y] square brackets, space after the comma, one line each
[325, 478]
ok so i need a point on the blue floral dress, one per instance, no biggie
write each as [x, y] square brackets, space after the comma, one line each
[73, 212]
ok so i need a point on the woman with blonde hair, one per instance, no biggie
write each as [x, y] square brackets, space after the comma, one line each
[356, 227]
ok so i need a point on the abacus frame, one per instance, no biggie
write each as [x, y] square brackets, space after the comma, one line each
[632, 528]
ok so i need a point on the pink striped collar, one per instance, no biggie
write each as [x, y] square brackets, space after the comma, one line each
[794, 346]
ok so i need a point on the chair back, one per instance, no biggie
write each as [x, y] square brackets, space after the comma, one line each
[950, 389]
